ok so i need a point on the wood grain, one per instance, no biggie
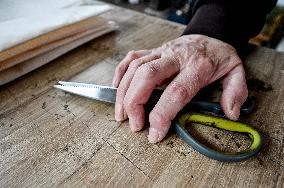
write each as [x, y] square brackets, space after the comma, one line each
[49, 138]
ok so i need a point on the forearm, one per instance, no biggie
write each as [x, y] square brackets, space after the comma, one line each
[233, 22]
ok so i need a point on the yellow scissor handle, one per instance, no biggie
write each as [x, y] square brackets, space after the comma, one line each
[221, 124]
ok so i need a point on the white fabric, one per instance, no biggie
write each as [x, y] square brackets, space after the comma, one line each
[22, 20]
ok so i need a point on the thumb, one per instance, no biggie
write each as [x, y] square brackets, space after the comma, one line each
[234, 93]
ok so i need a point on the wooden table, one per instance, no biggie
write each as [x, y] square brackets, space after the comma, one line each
[50, 138]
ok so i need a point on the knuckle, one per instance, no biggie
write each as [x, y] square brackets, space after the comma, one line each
[204, 63]
[230, 49]
[132, 54]
[120, 68]
[231, 57]
[120, 95]
[158, 118]
[210, 63]
[128, 105]
[149, 71]
[121, 89]
[237, 60]
[135, 64]
[175, 62]
[180, 91]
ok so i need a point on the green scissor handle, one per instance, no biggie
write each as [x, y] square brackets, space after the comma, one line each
[222, 124]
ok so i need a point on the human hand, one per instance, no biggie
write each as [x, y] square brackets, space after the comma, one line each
[192, 62]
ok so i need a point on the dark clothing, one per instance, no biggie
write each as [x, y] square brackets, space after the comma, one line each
[232, 21]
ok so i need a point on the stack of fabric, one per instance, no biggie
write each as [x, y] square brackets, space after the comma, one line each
[34, 32]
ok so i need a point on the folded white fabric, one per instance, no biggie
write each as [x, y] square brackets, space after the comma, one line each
[22, 20]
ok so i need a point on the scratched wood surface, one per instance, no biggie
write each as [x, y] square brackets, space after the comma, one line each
[50, 138]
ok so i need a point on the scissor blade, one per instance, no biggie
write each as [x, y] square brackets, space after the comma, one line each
[108, 94]
[98, 92]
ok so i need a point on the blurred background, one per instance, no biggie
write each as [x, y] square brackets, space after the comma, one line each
[272, 35]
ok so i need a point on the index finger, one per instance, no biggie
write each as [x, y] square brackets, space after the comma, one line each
[122, 67]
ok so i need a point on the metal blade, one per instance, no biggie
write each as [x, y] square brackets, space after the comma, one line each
[98, 92]
[108, 94]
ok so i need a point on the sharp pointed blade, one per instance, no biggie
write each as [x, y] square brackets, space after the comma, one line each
[101, 93]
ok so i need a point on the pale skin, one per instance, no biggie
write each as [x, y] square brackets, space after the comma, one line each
[190, 62]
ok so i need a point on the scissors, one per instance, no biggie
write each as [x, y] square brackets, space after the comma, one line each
[193, 112]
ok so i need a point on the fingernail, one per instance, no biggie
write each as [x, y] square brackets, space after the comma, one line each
[235, 111]
[133, 126]
[119, 115]
[232, 106]
[153, 136]
[124, 115]
[114, 84]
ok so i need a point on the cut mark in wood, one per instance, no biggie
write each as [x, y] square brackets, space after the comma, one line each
[127, 159]
[81, 166]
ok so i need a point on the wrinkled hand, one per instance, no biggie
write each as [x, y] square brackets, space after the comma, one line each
[192, 62]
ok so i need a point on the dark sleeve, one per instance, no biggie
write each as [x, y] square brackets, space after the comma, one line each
[232, 21]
